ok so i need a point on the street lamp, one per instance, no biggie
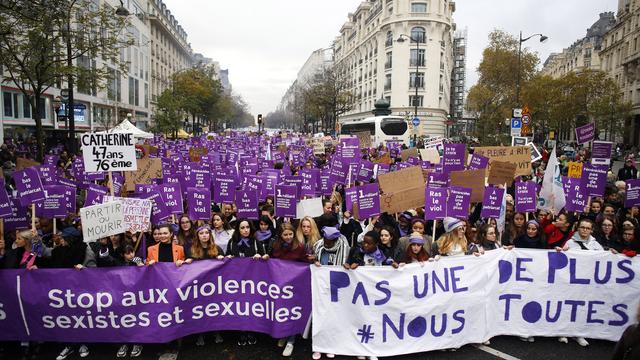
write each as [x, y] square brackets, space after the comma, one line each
[121, 10]
[542, 39]
[401, 39]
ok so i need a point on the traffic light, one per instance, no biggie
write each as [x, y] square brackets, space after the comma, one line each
[259, 118]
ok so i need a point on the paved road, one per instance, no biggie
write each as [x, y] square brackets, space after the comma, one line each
[504, 347]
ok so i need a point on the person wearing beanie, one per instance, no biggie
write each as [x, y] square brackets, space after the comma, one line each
[367, 253]
[533, 237]
[416, 251]
[419, 226]
[454, 241]
[404, 223]
[333, 249]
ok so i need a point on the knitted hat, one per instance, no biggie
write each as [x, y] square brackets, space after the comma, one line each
[414, 239]
[330, 233]
[533, 222]
[451, 224]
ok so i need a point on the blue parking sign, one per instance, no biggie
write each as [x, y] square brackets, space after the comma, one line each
[516, 123]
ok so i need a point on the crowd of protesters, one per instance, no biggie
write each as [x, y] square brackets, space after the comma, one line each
[334, 238]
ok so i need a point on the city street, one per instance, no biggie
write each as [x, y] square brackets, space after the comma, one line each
[504, 347]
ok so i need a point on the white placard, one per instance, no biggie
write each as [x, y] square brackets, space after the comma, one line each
[455, 301]
[104, 152]
[102, 220]
[309, 207]
[535, 153]
[137, 212]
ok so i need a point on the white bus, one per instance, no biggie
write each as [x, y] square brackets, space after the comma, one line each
[382, 128]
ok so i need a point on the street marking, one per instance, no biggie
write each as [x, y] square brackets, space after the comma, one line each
[495, 352]
[24, 319]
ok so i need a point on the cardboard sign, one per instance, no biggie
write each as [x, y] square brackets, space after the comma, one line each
[407, 153]
[22, 163]
[102, 220]
[384, 159]
[519, 140]
[196, 153]
[147, 169]
[431, 155]
[472, 179]
[137, 212]
[502, 172]
[365, 139]
[402, 200]
[575, 170]
[519, 155]
[104, 152]
[396, 181]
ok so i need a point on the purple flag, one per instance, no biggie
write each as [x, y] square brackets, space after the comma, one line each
[576, 199]
[286, 201]
[492, 202]
[173, 197]
[478, 162]
[368, 200]
[632, 194]
[199, 203]
[594, 179]
[225, 189]
[526, 196]
[585, 133]
[247, 204]
[435, 201]
[458, 202]
[54, 205]
[453, 157]
[28, 185]
[178, 309]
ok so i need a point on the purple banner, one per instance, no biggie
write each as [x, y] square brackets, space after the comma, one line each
[526, 196]
[576, 199]
[104, 305]
[28, 185]
[286, 201]
[435, 199]
[492, 202]
[458, 202]
[585, 133]
[478, 162]
[247, 204]
[199, 203]
[368, 200]
[453, 157]
[594, 179]
[632, 194]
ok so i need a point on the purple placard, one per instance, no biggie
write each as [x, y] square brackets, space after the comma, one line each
[293, 180]
[325, 184]
[225, 189]
[492, 202]
[339, 169]
[368, 200]
[309, 186]
[350, 198]
[365, 170]
[159, 211]
[458, 202]
[28, 185]
[48, 174]
[435, 199]
[286, 201]
[526, 196]
[576, 198]
[18, 218]
[478, 162]
[453, 157]
[172, 197]
[632, 194]
[70, 194]
[247, 204]
[349, 148]
[438, 179]
[585, 133]
[594, 179]
[5, 201]
[51, 160]
[54, 205]
[153, 322]
[601, 152]
[95, 194]
[199, 203]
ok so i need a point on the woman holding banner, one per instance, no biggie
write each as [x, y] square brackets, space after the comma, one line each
[453, 242]
[221, 231]
[186, 234]
[307, 233]
[165, 250]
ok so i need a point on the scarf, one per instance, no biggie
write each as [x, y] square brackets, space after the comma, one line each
[377, 255]
[263, 235]
[338, 254]
[243, 241]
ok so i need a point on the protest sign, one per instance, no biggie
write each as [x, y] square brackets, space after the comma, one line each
[159, 211]
[585, 133]
[196, 153]
[309, 207]
[402, 200]
[431, 155]
[339, 170]
[285, 201]
[575, 170]
[384, 159]
[632, 193]
[247, 204]
[454, 301]
[525, 198]
[407, 153]
[94, 194]
[601, 152]
[224, 188]
[106, 302]
[594, 179]
[492, 202]
[403, 179]
[458, 202]
[147, 169]
[199, 203]
[535, 154]
[172, 197]
[576, 197]
[28, 185]
[453, 157]
[23, 163]
[102, 220]
[365, 139]
[438, 179]
[104, 152]
[136, 212]
[435, 201]
[519, 140]
[434, 142]
[5, 201]
[318, 146]
[18, 218]
[48, 174]
[53, 206]
[501, 172]
[478, 162]
[368, 201]
[472, 179]
[519, 155]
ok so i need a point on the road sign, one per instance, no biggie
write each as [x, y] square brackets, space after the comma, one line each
[64, 94]
[415, 121]
[526, 119]
[516, 125]
[517, 113]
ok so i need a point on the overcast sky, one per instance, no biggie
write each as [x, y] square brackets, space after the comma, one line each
[264, 43]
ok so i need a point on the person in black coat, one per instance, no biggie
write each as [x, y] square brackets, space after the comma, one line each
[532, 237]
[628, 171]
[243, 242]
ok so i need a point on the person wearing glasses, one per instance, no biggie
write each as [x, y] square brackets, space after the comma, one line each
[628, 171]
[628, 244]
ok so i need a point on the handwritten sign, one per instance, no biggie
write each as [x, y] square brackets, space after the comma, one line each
[501, 172]
[147, 169]
[102, 220]
[575, 170]
[519, 155]
[136, 212]
[104, 152]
